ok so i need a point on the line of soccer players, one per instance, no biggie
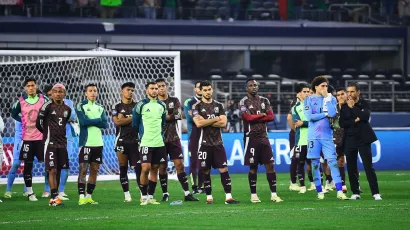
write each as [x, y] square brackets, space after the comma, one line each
[147, 132]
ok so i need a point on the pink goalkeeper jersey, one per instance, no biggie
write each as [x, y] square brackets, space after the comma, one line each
[29, 113]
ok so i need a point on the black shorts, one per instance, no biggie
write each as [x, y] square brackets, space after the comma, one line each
[56, 158]
[153, 155]
[91, 155]
[212, 156]
[258, 151]
[301, 153]
[174, 149]
[31, 149]
[193, 153]
[129, 149]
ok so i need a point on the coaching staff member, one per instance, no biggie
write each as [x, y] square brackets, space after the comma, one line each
[354, 118]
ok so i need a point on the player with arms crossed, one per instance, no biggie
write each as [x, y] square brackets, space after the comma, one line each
[126, 140]
[318, 109]
[26, 110]
[92, 119]
[172, 143]
[209, 116]
[48, 89]
[193, 138]
[51, 121]
[149, 119]
[301, 125]
[256, 113]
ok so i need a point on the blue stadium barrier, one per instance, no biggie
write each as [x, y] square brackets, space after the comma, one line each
[389, 152]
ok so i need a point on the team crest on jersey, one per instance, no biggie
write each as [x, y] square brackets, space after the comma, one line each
[263, 105]
[203, 164]
[243, 108]
[216, 109]
[171, 105]
[114, 112]
[65, 114]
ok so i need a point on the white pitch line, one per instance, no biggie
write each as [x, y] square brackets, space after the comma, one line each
[199, 213]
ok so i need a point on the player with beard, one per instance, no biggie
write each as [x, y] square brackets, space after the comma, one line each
[209, 116]
[172, 143]
[193, 138]
[149, 119]
[256, 112]
[51, 121]
[126, 138]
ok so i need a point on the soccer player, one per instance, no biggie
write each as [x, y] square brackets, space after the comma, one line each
[256, 112]
[51, 121]
[26, 110]
[320, 135]
[172, 143]
[149, 119]
[48, 89]
[92, 119]
[193, 138]
[301, 125]
[293, 161]
[338, 135]
[126, 140]
[209, 116]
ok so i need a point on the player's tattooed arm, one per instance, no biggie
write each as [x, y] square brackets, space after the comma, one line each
[83, 173]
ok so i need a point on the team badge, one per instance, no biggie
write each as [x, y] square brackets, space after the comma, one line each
[263, 105]
[243, 108]
[171, 105]
[251, 160]
[65, 113]
[203, 164]
[216, 109]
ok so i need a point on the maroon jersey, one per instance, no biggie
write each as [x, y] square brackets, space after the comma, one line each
[174, 111]
[52, 121]
[256, 105]
[124, 133]
[292, 103]
[209, 136]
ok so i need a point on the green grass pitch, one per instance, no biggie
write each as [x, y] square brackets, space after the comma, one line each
[298, 211]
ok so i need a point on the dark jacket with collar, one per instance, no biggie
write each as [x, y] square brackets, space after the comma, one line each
[359, 130]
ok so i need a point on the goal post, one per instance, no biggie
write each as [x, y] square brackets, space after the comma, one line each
[108, 69]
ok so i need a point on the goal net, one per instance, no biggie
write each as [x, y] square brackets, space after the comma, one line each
[108, 69]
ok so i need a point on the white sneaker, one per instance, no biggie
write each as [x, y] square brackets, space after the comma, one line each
[127, 200]
[341, 195]
[255, 198]
[153, 201]
[325, 191]
[333, 186]
[355, 197]
[377, 197]
[144, 202]
[320, 196]
[294, 187]
[63, 197]
[312, 187]
[32, 197]
[25, 194]
[328, 187]
[45, 194]
[62, 194]
[302, 190]
[275, 198]
[7, 194]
